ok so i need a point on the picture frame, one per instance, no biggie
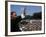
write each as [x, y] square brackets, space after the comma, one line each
[7, 18]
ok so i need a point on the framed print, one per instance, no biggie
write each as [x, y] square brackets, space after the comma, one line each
[24, 18]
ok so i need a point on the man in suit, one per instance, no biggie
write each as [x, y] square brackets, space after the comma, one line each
[14, 22]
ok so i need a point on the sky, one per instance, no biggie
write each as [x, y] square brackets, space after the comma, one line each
[29, 9]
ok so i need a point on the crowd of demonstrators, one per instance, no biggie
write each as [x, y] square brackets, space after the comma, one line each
[14, 22]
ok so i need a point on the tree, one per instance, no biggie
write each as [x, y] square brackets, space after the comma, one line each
[37, 15]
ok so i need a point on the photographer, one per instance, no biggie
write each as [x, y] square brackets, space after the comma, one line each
[14, 22]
